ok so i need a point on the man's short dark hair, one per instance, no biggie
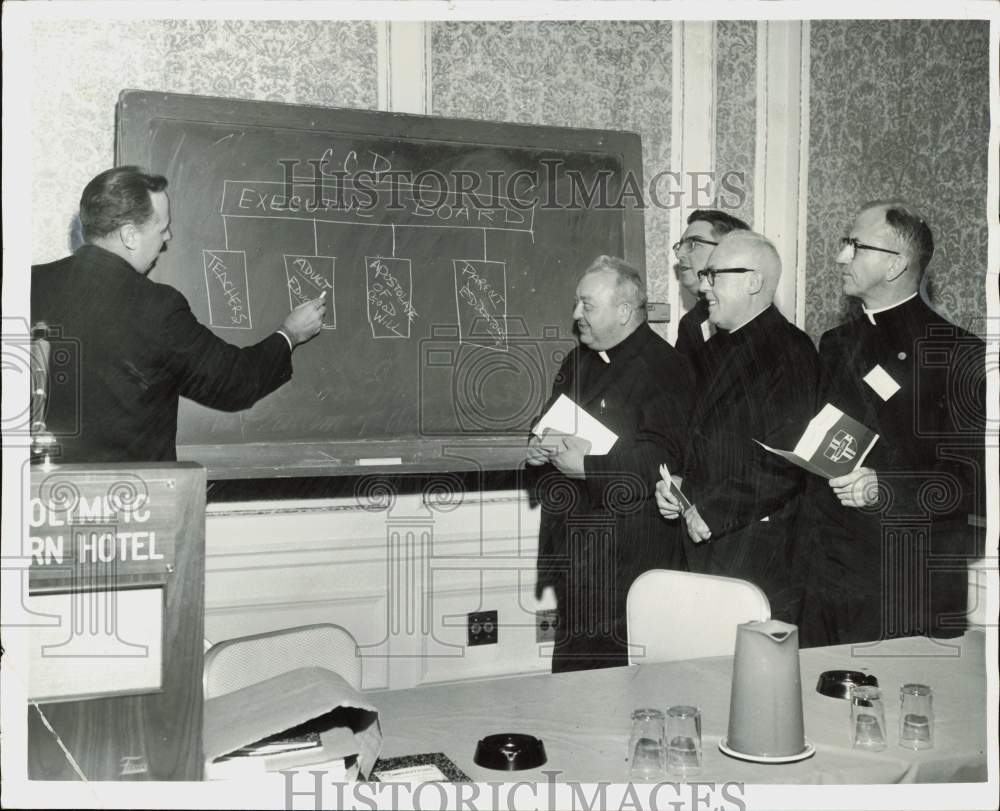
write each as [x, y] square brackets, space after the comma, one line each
[912, 230]
[116, 197]
[721, 222]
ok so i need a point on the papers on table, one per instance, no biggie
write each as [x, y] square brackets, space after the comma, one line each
[276, 744]
[566, 417]
[431, 767]
[341, 770]
[833, 444]
[289, 708]
[428, 773]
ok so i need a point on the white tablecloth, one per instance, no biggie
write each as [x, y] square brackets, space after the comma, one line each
[583, 718]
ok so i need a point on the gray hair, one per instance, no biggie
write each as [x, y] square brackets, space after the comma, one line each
[912, 230]
[630, 287]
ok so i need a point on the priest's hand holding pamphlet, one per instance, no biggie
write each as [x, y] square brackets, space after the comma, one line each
[672, 503]
[833, 446]
[565, 434]
[856, 489]
[669, 498]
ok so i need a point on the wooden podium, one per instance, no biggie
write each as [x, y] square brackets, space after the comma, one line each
[117, 584]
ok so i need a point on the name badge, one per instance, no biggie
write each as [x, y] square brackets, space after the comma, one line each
[881, 382]
[707, 329]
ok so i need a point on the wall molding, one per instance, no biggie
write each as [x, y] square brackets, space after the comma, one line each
[369, 599]
[339, 542]
[403, 60]
[298, 558]
[692, 128]
[805, 64]
[782, 153]
[351, 505]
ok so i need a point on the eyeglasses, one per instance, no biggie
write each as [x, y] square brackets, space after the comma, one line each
[711, 273]
[855, 246]
[690, 242]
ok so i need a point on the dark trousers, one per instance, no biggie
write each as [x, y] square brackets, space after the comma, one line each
[840, 607]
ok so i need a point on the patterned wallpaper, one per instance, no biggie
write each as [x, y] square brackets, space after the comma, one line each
[605, 75]
[736, 106]
[586, 74]
[79, 67]
[900, 108]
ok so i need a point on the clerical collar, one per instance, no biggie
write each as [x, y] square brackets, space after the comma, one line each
[607, 355]
[751, 318]
[870, 314]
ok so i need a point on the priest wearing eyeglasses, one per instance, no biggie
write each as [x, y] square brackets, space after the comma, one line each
[890, 540]
[761, 387]
[695, 331]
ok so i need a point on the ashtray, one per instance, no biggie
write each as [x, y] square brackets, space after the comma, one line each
[838, 683]
[510, 751]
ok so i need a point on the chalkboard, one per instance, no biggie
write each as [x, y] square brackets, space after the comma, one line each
[449, 251]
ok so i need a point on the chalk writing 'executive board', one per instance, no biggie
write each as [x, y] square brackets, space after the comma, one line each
[448, 251]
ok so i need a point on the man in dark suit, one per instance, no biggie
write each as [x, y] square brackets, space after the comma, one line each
[762, 387]
[600, 527]
[137, 346]
[890, 540]
[695, 331]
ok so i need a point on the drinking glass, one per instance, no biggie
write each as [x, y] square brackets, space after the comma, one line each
[867, 718]
[645, 748]
[916, 716]
[683, 740]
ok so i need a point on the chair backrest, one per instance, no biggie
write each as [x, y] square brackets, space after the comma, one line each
[680, 615]
[981, 572]
[237, 663]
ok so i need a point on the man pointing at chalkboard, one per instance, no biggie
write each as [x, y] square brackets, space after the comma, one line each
[600, 524]
[126, 348]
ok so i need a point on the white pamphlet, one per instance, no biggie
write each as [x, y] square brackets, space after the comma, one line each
[566, 417]
[833, 444]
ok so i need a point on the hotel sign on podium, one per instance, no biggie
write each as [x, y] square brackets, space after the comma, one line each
[116, 589]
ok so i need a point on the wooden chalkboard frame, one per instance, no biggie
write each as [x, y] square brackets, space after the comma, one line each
[137, 110]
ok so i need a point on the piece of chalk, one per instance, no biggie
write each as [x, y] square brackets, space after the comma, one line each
[381, 460]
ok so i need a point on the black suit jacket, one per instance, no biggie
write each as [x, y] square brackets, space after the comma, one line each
[764, 388]
[124, 349]
[598, 534]
[932, 426]
[703, 355]
[931, 473]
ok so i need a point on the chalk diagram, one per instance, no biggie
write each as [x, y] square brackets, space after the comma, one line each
[480, 283]
[228, 291]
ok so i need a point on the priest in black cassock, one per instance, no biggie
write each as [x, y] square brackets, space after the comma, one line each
[600, 527]
[890, 540]
[695, 330]
[761, 387]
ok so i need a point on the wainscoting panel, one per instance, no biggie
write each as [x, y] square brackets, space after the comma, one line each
[400, 575]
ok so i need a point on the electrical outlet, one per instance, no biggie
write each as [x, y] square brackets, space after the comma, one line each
[483, 628]
[546, 623]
